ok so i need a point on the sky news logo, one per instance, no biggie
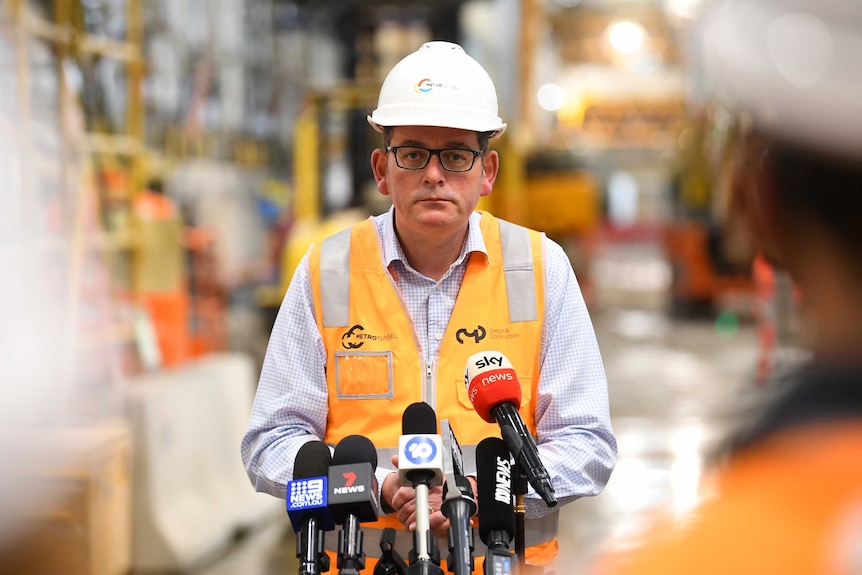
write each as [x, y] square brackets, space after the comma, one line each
[307, 493]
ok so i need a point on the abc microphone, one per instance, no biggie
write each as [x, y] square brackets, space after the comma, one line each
[420, 465]
[496, 513]
[495, 393]
[352, 497]
[307, 506]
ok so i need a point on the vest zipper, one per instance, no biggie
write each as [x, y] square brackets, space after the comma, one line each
[427, 391]
[428, 394]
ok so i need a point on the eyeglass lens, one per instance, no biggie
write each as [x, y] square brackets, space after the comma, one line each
[414, 158]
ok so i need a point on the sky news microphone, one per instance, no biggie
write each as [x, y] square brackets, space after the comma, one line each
[307, 506]
[493, 389]
[496, 510]
[352, 498]
[420, 466]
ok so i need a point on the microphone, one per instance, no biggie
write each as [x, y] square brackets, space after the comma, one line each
[352, 497]
[307, 506]
[494, 391]
[458, 504]
[496, 513]
[420, 465]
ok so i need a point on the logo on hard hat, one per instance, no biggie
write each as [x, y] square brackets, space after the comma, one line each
[425, 85]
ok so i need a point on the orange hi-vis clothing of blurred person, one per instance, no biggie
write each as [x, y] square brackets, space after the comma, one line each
[786, 496]
[788, 500]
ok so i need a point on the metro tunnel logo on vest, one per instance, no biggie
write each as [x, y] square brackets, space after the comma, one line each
[355, 337]
[348, 340]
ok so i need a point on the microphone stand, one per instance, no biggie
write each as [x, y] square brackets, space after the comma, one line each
[519, 489]
[458, 506]
[424, 565]
[351, 559]
[313, 560]
[424, 557]
[390, 562]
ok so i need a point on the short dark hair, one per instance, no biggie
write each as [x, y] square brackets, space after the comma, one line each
[482, 137]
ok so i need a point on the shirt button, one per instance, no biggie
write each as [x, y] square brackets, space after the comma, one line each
[439, 336]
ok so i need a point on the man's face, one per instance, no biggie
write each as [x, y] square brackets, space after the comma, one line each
[433, 199]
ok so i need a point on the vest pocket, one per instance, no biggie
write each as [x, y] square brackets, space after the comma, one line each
[363, 374]
[461, 394]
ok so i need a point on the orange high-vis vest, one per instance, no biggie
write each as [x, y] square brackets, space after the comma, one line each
[376, 369]
[790, 504]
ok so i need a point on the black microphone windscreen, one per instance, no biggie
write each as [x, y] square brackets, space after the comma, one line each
[419, 419]
[494, 486]
[355, 449]
[312, 460]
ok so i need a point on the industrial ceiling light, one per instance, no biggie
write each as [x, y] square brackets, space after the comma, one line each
[551, 97]
[625, 36]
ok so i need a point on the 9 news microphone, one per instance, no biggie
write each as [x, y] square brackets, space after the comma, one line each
[495, 393]
[496, 513]
[352, 497]
[420, 465]
[307, 506]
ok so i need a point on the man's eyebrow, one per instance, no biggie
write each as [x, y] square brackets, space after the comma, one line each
[448, 145]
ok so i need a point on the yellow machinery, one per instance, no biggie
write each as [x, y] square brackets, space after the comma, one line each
[309, 224]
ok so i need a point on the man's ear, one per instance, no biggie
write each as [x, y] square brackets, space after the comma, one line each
[378, 167]
[491, 166]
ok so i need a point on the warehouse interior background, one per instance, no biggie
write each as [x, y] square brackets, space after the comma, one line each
[164, 164]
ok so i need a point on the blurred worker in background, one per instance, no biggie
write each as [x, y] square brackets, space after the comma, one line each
[388, 312]
[788, 497]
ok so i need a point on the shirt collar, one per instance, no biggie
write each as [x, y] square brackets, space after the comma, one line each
[392, 251]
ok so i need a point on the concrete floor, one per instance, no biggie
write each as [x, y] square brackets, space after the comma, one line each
[676, 387]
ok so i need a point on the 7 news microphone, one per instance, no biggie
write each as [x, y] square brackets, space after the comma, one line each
[494, 391]
[420, 465]
[496, 513]
[352, 498]
[307, 506]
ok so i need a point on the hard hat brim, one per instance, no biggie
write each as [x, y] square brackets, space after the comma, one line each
[495, 129]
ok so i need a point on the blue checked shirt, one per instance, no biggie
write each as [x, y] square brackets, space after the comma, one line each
[575, 439]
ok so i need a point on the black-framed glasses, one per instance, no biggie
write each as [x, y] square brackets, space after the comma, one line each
[417, 157]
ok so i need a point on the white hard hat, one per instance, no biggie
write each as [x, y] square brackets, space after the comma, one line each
[791, 66]
[438, 85]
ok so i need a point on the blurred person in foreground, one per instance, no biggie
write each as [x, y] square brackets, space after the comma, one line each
[786, 497]
[420, 289]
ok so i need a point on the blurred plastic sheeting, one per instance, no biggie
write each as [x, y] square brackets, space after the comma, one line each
[54, 294]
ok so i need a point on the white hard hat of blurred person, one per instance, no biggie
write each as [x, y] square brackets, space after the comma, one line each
[792, 68]
[438, 85]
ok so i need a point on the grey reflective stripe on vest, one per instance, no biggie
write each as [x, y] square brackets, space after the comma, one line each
[517, 267]
[335, 279]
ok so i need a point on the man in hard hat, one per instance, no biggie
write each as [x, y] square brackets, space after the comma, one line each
[387, 313]
[787, 497]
